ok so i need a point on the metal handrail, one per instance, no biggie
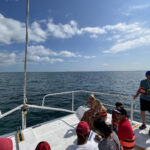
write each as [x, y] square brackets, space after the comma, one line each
[98, 93]
[54, 94]
[10, 112]
[51, 108]
[73, 95]
[84, 91]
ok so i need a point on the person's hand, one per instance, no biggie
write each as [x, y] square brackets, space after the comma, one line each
[134, 97]
[97, 137]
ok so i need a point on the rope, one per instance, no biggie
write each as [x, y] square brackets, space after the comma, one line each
[26, 50]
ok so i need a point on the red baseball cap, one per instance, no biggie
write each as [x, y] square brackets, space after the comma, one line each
[6, 144]
[43, 146]
[83, 128]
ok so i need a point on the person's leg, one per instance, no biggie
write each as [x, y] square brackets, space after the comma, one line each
[143, 117]
[143, 105]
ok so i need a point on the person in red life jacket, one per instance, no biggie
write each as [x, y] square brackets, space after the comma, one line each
[114, 120]
[6, 144]
[125, 132]
[43, 146]
[144, 92]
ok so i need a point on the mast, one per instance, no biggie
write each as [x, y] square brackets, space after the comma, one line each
[24, 109]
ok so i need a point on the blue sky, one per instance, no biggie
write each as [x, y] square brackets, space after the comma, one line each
[76, 35]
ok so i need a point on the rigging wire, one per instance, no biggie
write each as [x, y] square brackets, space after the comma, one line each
[26, 51]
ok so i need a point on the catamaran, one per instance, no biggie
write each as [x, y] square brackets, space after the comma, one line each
[60, 132]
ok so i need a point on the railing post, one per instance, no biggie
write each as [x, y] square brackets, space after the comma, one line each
[23, 121]
[72, 101]
[24, 110]
[132, 102]
[120, 98]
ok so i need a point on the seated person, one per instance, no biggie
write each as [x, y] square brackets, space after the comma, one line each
[43, 146]
[114, 118]
[6, 144]
[91, 100]
[108, 140]
[125, 132]
[83, 132]
[97, 110]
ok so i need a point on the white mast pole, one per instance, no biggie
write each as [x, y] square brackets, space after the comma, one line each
[25, 66]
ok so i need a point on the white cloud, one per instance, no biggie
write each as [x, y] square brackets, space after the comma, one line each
[137, 7]
[93, 30]
[62, 31]
[11, 30]
[127, 45]
[40, 50]
[89, 57]
[38, 54]
[41, 54]
[38, 59]
[67, 54]
[36, 33]
[123, 27]
[127, 37]
[14, 31]
[7, 58]
[71, 29]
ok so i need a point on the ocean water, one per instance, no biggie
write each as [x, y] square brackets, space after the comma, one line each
[42, 83]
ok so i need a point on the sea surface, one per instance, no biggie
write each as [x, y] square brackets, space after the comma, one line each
[42, 83]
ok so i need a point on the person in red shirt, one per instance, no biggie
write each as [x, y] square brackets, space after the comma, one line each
[125, 132]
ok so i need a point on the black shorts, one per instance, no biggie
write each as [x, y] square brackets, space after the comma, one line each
[144, 105]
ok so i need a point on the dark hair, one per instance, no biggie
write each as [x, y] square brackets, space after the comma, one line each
[122, 111]
[118, 104]
[100, 125]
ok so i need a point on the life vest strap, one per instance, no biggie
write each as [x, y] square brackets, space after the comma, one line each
[128, 147]
[128, 143]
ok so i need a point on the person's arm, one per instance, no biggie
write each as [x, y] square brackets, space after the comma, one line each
[137, 94]
[138, 91]
[112, 119]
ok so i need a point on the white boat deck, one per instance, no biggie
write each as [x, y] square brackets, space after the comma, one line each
[60, 134]
[142, 140]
